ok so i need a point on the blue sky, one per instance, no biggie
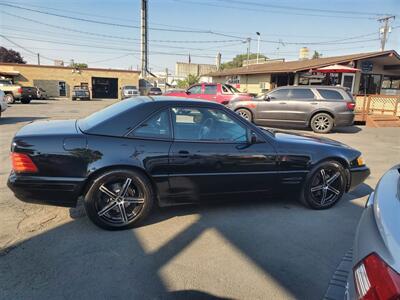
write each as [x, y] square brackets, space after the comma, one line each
[285, 27]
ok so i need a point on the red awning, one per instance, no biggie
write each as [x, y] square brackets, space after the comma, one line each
[336, 69]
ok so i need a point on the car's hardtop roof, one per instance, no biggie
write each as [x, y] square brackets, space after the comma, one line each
[310, 87]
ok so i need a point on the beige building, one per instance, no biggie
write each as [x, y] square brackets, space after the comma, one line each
[182, 70]
[379, 73]
[58, 81]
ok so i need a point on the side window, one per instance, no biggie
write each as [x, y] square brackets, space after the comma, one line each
[203, 124]
[158, 126]
[225, 90]
[195, 89]
[210, 89]
[279, 94]
[299, 94]
[330, 94]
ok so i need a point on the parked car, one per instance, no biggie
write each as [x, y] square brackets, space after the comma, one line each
[3, 104]
[80, 93]
[128, 91]
[41, 94]
[318, 107]
[12, 91]
[216, 92]
[172, 151]
[28, 93]
[376, 251]
[155, 91]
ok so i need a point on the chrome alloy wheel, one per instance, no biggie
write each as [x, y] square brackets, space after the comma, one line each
[321, 123]
[326, 187]
[119, 201]
[243, 114]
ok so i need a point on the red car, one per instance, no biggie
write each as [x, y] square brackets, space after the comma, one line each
[216, 92]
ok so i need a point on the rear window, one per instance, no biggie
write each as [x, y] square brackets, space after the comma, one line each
[330, 94]
[107, 113]
[155, 89]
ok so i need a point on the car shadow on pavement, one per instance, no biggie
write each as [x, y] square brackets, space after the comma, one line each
[13, 120]
[298, 248]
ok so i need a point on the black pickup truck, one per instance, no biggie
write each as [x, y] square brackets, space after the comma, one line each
[28, 93]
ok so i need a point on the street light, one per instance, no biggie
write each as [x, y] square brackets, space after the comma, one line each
[258, 45]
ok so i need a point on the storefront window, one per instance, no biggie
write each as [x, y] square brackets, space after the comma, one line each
[391, 82]
[370, 84]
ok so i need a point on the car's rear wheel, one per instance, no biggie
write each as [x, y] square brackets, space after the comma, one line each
[324, 185]
[9, 98]
[245, 114]
[119, 199]
[322, 123]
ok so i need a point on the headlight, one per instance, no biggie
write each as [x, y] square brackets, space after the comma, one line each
[360, 161]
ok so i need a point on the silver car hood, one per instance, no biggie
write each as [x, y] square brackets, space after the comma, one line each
[387, 213]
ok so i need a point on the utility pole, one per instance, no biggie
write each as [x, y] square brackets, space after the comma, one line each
[38, 59]
[248, 51]
[384, 30]
[166, 80]
[144, 39]
[258, 44]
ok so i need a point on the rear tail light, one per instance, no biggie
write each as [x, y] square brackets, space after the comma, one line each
[22, 163]
[225, 102]
[351, 105]
[375, 280]
[20, 90]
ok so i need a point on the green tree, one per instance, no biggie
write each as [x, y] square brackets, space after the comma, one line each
[237, 61]
[10, 56]
[79, 65]
[316, 55]
[188, 81]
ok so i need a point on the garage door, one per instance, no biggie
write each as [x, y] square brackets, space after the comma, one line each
[106, 88]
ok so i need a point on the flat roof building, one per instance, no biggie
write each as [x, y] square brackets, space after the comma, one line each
[58, 81]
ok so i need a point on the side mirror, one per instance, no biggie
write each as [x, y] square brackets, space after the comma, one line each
[267, 98]
[251, 137]
[188, 93]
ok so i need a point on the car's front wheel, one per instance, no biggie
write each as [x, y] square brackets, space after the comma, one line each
[324, 185]
[245, 114]
[119, 199]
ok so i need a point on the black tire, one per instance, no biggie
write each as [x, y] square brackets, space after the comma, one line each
[25, 101]
[9, 99]
[322, 123]
[73, 99]
[108, 214]
[245, 114]
[322, 194]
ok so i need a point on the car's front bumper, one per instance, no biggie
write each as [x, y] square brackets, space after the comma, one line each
[357, 176]
[59, 191]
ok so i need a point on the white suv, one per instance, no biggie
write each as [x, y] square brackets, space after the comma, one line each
[3, 104]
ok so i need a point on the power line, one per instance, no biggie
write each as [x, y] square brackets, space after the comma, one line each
[299, 8]
[115, 36]
[102, 47]
[258, 9]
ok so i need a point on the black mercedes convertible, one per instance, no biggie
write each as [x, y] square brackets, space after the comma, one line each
[145, 151]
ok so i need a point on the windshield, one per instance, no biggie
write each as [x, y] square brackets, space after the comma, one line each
[233, 89]
[107, 113]
[130, 87]
[155, 89]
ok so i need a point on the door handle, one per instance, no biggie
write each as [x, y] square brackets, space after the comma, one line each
[282, 102]
[314, 103]
[183, 153]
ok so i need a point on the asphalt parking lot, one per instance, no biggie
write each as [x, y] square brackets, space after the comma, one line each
[253, 249]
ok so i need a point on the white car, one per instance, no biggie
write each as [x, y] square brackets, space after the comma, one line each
[3, 104]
